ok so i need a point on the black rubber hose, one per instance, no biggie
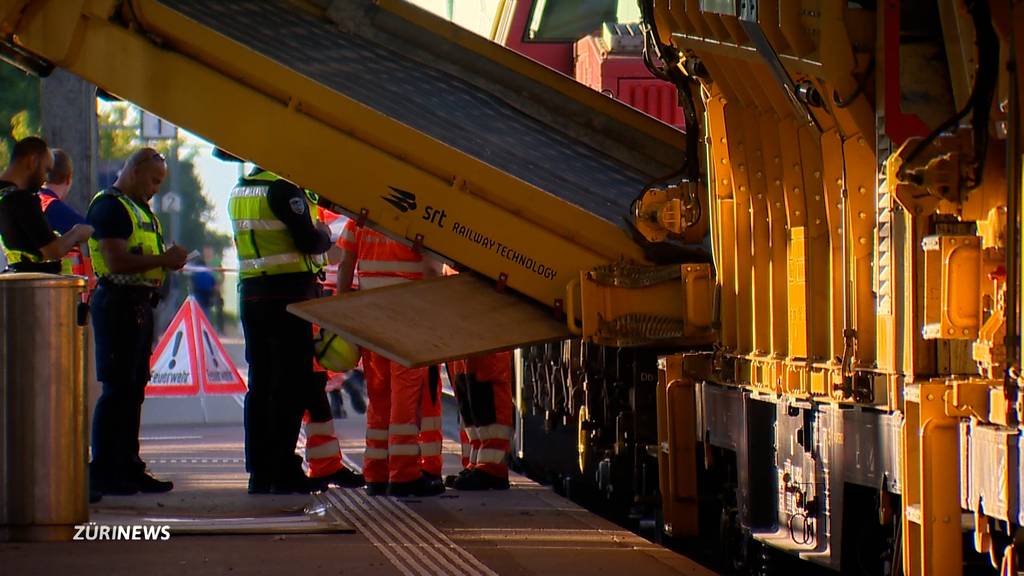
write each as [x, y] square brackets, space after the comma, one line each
[982, 94]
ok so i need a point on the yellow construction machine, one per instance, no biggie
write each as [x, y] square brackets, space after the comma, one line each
[793, 331]
[862, 171]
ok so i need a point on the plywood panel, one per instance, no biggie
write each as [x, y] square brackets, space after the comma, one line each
[423, 323]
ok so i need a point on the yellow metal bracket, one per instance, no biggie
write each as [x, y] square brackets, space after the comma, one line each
[968, 398]
[623, 304]
[952, 265]
[981, 399]
[931, 486]
[675, 211]
[677, 447]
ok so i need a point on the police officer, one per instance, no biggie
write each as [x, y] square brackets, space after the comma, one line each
[30, 243]
[131, 263]
[279, 249]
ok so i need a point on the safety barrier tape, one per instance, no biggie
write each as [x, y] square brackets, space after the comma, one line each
[196, 460]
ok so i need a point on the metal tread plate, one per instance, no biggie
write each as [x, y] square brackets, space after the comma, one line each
[436, 102]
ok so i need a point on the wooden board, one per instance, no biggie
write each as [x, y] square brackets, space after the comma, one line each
[319, 517]
[432, 321]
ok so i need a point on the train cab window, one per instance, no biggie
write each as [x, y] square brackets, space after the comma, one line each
[570, 20]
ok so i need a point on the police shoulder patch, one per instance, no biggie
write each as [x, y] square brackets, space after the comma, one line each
[298, 205]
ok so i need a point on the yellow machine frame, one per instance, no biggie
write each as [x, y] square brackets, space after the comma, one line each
[162, 61]
[845, 276]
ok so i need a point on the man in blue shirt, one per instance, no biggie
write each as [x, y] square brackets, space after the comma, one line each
[53, 194]
[59, 215]
[204, 283]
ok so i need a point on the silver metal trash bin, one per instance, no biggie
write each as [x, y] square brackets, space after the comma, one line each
[43, 412]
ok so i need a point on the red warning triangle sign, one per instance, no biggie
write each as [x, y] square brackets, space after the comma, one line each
[174, 365]
[220, 376]
[190, 356]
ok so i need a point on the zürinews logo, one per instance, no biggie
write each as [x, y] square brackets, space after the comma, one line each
[92, 532]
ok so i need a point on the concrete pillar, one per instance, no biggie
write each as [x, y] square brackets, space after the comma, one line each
[68, 114]
[68, 118]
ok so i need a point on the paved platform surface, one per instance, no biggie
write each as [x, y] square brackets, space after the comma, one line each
[523, 531]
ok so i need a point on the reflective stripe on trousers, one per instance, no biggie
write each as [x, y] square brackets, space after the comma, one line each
[467, 450]
[474, 444]
[323, 452]
[431, 438]
[395, 398]
[484, 392]
[378, 410]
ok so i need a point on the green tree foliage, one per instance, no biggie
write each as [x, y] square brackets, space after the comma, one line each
[118, 138]
[19, 108]
[119, 131]
[196, 212]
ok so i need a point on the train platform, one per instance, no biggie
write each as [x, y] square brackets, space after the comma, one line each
[526, 530]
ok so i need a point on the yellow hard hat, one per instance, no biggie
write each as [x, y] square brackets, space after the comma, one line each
[334, 353]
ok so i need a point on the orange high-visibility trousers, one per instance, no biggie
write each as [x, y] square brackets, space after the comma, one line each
[483, 389]
[431, 437]
[393, 418]
[467, 447]
[323, 452]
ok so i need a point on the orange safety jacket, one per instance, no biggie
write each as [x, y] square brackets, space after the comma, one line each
[381, 261]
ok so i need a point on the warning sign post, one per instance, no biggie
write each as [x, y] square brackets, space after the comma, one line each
[190, 358]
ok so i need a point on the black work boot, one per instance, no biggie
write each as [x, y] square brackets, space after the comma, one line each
[259, 485]
[343, 478]
[450, 479]
[479, 480]
[376, 488]
[296, 484]
[110, 482]
[151, 485]
[425, 485]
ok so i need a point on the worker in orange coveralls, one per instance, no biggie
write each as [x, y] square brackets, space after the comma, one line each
[403, 419]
